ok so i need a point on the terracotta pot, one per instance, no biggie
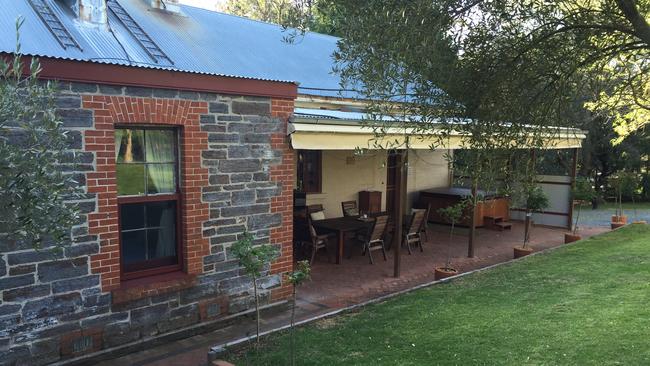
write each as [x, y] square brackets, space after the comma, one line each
[441, 273]
[622, 218]
[616, 225]
[522, 252]
[570, 238]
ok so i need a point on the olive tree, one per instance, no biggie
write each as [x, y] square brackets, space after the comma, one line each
[34, 189]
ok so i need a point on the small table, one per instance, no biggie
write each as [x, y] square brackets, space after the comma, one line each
[341, 226]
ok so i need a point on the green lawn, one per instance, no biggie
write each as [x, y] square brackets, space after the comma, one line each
[627, 205]
[586, 304]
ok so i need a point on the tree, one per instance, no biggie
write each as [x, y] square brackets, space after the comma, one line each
[312, 15]
[33, 144]
[583, 191]
[296, 278]
[452, 214]
[513, 54]
[254, 259]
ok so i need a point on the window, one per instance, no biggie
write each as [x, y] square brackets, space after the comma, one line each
[309, 171]
[148, 200]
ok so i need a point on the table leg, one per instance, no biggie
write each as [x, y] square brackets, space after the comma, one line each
[339, 257]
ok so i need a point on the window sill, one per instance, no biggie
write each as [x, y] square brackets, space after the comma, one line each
[139, 288]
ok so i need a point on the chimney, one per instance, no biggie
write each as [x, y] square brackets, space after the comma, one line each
[90, 12]
[171, 6]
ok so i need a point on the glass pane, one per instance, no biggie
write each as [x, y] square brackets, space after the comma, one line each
[129, 146]
[134, 247]
[130, 179]
[161, 178]
[161, 243]
[161, 214]
[132, 216]
[160, 146]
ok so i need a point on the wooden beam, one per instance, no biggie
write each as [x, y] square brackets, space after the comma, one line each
[574, 171]
[400, 205]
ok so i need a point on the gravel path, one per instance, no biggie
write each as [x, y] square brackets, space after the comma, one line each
[602, 216]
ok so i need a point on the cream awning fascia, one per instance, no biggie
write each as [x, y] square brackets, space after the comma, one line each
[307, 135]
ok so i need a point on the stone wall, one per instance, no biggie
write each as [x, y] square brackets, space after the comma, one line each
[237, 174]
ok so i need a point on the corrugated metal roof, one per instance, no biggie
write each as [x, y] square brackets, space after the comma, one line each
[198, 41]
[332, 116]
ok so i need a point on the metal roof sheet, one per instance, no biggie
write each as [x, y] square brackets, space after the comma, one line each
[198, 41]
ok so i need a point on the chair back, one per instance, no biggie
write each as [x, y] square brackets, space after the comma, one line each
[314, 208]
[312, 231]
[416, 222]
[426, 214]
[379, 228]
[349, 208]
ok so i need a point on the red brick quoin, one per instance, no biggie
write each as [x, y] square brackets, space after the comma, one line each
[283, 203]
[112, 110]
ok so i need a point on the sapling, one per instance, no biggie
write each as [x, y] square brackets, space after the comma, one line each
[625, 184]
[254, 259]
[300, 274]
[583, 191]
[452, 214]
[536, 200]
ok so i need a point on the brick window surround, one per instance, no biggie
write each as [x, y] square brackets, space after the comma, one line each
[183, 114]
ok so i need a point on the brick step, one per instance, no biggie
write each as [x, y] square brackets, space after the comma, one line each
[493, 219]
[503, 225]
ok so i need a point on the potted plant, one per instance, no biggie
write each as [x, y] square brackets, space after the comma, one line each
[583, 193]
[451, 214]
[631, 182]
[535, 200]
[623, 184]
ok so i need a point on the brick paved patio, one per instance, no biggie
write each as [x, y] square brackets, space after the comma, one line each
[356, 281]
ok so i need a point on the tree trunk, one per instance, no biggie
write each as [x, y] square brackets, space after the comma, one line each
[451, 237]
[527, 228]
[293, 317]
[575, 227]
[472, 220]
[631, 12]
[257, 312]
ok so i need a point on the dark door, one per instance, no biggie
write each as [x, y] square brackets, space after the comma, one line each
[391, 181]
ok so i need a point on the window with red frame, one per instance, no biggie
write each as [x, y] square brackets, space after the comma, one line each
[148, 200]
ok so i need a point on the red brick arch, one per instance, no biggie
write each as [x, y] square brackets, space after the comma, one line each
[112, 110]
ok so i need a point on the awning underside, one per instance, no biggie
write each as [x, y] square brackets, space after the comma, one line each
[314, 129]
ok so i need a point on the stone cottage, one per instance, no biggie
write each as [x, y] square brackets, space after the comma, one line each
[175, 160]
[188, 127]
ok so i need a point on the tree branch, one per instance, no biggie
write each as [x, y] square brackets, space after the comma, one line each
[640, 25]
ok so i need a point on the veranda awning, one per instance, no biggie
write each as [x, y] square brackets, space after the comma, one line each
[315, 129]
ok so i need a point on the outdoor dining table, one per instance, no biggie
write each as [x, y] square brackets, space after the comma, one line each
[342, 226]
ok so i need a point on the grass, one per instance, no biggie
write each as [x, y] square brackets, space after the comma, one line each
[626, 206]
[584, 304]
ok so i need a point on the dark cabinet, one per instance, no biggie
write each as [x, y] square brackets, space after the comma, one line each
[370, 201]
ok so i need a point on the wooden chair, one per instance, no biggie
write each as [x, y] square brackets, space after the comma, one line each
[317, 241]
[314, 208]
[349, 208]
[374, 240]
[413, 235]
[427, 210]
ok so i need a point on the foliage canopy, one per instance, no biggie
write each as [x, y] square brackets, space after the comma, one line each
[33, 146]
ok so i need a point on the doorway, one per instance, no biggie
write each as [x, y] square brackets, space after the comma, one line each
[392, 165]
